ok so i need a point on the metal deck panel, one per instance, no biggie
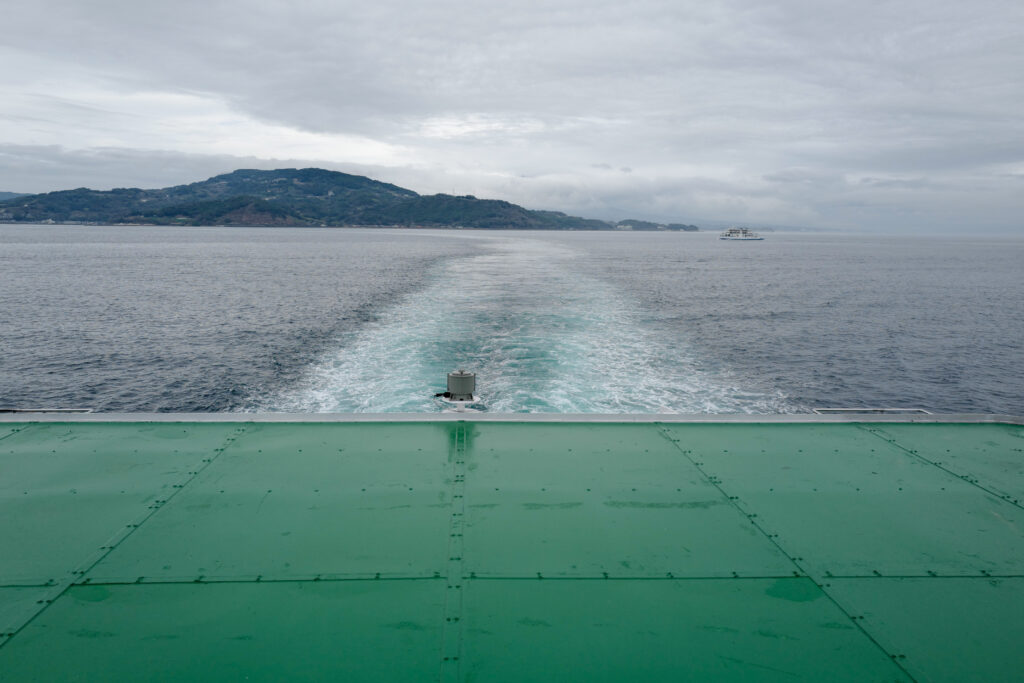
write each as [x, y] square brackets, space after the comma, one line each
[943, 629]
[702, 630]
[8, 429]
[594, 500]
[848, 503]
[66, 491]
[505, 455]
[294, 501]
[17, 604]
[609, 531]
[303, 631]
[991, 455]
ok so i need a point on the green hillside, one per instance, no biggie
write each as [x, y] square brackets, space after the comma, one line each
[284, 197]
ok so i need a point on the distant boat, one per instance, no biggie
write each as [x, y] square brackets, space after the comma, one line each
[739, 234]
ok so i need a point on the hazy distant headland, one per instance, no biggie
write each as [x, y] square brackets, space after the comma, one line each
[293, 198]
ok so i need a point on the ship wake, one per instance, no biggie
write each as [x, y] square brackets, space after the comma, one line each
[541, 335]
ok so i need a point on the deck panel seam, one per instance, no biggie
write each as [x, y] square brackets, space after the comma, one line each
[17, 430]
[674, 578]
[772, 538]
[880, 433]
[455, 581]
[77, 576]
[734, 501]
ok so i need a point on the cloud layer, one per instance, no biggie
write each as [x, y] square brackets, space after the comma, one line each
[895, 115]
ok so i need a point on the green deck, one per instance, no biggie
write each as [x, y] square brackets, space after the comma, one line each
[505, 551]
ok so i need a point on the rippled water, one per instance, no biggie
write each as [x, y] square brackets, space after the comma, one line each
[370, 321]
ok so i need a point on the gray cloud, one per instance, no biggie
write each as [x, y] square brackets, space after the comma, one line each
[891, 115]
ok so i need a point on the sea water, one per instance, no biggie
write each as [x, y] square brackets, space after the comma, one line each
[353, 320]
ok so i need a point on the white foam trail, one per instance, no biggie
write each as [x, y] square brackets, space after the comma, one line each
[541, 336]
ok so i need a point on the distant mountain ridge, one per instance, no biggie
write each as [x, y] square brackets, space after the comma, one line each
[288, 197]
[4, 196]
[284, 197]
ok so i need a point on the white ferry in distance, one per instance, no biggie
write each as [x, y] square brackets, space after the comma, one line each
[739, 234]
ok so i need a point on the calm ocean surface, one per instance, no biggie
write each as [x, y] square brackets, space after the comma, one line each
[305, 320]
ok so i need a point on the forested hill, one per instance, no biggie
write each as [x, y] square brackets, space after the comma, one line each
[284, 197]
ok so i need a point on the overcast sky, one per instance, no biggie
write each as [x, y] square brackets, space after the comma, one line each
[866, 116]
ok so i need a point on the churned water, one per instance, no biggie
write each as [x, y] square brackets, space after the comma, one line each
[343, 320]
